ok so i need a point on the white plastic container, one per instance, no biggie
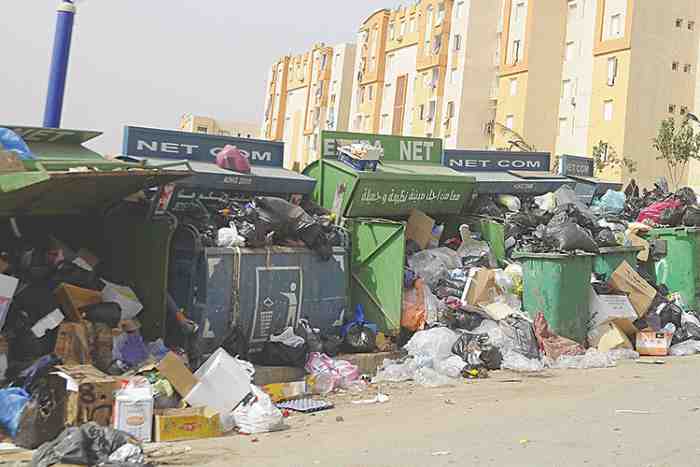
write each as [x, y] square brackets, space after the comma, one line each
[224, 382]
[133, 412]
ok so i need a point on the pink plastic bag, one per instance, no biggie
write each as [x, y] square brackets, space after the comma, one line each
[653, 212]
[233, 159]
[331, 374]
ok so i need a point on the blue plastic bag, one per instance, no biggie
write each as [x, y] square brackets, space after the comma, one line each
[12, 403]
[12, 142]
[612, 202]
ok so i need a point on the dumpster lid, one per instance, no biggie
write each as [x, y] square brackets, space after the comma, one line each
[155, 147]
[403, 171]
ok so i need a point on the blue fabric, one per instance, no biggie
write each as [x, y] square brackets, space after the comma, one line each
[11, 141]
[12, 402]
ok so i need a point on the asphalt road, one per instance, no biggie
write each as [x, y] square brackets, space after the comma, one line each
[633, 415]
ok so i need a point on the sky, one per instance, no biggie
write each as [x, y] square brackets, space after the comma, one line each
[147, 62]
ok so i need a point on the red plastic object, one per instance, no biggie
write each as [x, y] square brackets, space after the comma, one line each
[232, 158]
[653, 212]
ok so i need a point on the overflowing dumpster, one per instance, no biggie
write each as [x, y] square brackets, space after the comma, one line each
[374, 206]
[261, 289]
[581, 170]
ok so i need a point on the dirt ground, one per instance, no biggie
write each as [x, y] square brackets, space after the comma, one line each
[633, 415]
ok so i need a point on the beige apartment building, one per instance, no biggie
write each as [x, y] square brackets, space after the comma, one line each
[212, 126]
[305, 94]
[428, 69]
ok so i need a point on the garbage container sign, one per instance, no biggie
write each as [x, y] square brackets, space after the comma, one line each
[179, 145]
[497, 161]
[576, 166]
[396, 148]
[278, 302]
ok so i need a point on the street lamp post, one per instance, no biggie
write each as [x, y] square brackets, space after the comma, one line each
[59, 63]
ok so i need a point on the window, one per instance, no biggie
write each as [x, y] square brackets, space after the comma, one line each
[616, 25]
[324, 59]
[372, 63]
[509, 121]
[421, 112]
[687, 68]
[519, 11]
[412, 25]
[435, 78]
[440, 14]
[684, 109]
[573, 7]
[674, 66]
[389, 63]
[671, 108]
[566, 89]
[516, 52]
[458, 42]
[459, 7]
[612, 71]
[368, 122]
[428, 27]
[449, 114]
[679, 23]
[608, 110]
[569, 51]
[358, 122]
[432, 105]
[370, 93]
[392, 32]
[362, 95]
[691, 25]
[454, 74]
[402, 29]
[563, 123]
[385, 123]
[514, 86]
[202, 129]
[437, 43]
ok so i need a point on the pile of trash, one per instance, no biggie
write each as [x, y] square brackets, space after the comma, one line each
[262, 221]
[660, 208]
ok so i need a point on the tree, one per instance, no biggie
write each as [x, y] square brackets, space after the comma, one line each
[677, 145]
[606, 157]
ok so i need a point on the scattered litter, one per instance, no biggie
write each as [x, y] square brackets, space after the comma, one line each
[632, 412]
[379, 399]
[441, 453]
[305, 405]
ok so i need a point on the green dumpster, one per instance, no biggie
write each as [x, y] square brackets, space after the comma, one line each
[610, 258]
[410, 176]
[74, 194]
[558, 285]
[679, 269]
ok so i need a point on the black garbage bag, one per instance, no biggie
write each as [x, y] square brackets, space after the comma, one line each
[311, 336]
[70, 273]
[606, 238]
[90, 444]
[279, 354]
[671, 313]
[331, 344]
[461, 319]
[476, 351]
[235, 343]
[687, 196]
[29, 377]
[649, 321]
[691, 218]
[570, 237]
[520, 336]
[687, 331]
[486, 206]
[41, 419]
[360, 339]
[672, 216]
[109, 313]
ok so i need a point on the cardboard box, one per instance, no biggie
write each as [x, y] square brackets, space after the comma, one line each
[133, 412]
[641, 294]
[72, 299]
[653, 343]
[72, 344]
[481, 287]
[172, 368]
[186, 424]
[420, 228]
[607, 337]
[636, 240]
[87, 392]
[101, 341]
[612, 309]
[279, 392]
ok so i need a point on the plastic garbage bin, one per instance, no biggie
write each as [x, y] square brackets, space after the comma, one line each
[679, 269]
[559, 286]
[611, 257]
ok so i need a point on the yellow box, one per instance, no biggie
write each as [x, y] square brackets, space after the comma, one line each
[186, 424]
[279, 392]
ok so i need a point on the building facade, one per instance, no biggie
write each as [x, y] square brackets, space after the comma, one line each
[305, 94]
[201, 124]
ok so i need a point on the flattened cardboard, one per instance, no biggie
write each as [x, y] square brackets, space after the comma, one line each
[174, 370]
[88, 394]
[641, 294]
[72, 299]
[480, 288]
[635, 240]
[420, 228]
[186, 424]
[72, 344]
[608, 337]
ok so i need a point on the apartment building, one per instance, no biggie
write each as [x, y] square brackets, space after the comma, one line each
[532, 48]
[428, 70]
[308, 93]
[212, 126]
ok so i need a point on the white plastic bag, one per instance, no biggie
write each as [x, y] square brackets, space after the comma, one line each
[124, 296]
[451, 366]
[682, 349]
[288, 338]
[517, 362]
[593, 358]
[228, 237]
[510, 202]
[259, 415]
[396, 371]
[546, 202]
[430, 378]
[435, 343]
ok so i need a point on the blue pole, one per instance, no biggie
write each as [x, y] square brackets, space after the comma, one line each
[59, 64]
